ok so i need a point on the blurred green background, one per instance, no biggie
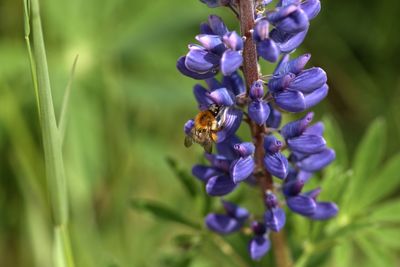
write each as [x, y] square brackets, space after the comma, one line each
[127, 109]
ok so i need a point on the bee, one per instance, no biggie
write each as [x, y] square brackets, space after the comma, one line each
[207, 123]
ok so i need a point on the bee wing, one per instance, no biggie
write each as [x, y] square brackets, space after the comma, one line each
[188, 141]
[207, 147]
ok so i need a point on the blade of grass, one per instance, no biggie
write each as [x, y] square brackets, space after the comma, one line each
[52, 145]
[62, 121]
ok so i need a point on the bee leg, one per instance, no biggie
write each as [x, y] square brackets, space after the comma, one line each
[188, 141]
[214, 136]
[207, 147]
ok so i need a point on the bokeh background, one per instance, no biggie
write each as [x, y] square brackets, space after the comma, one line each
[127, 109]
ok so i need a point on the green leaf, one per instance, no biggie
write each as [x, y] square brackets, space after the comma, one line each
[187, 181]
[368, 155]
[343, 255]
[384, 183]
[387, 212]
[387, 237]
[161, 211]
[376, 255]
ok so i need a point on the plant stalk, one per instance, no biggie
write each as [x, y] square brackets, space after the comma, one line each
[51, 140]
[264, 178]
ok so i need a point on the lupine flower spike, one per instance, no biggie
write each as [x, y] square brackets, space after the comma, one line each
[291, 153]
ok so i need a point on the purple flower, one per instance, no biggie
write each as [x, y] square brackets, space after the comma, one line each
[258, 109]
[274, 161]
[295, 89]
[274, 217]
[259, 245]
[233, 219]
[220, 49]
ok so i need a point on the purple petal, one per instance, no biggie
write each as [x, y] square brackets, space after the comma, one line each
[204, 173]
[316, 96]
[268, 50]
[311, 8]
[271, 201]
[220, 185]
[292, 101]
[201, 61]
[280, 67]
[272, 144]
[205, 29]
[291, 42]
[188, 126]
[214, 3]
[217, 25]
[261, 29]
[293, 186]
[308, 80]
[230, 62]
[245, 149]
[242, 168]
[276, 164]
[305, 176]
[222, 97]
[294, 23]
[293, 66]
[296, 128]
[274, 118]
[313, 193]
[221, 162]
[325, 210]
[235, 211]
[227, 147]
[222, 224]
[211, 42]
[307, 144]
[281, 14]
[213, 84]
[315, 129]
[258, 228]
[232, 123]
[318, 161]
[302, 205]
[257, 90]
[233, 41]
[280, 82]
[201, 95]
[180, 65]
[275, 219]
[258, 247]
[235, 83]
[258, 111]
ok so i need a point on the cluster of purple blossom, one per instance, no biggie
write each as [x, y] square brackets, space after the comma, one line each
[291, 87]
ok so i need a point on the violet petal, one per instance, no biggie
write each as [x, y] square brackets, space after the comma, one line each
[318, 161]
[275, 219]
[230, 61]
[222, 224]
[201, 61]
[308, 80]
[292, 101]
[258, 111]
[220, 185]
[222, 97]
[316, 96]
[302, 205]
[204, 173]
[307, 144]
[258, 247]
[180, 65]
[297, 127]
[242, 168]
[325, 210]
[268, 50]
[311, 8]
[232, 123]
[276, 164]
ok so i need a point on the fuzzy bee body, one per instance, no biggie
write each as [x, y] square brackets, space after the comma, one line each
[207, 123]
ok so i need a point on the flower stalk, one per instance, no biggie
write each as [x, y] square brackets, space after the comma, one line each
[264, 178]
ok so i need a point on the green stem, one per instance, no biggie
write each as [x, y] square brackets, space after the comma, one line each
[54, 165]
